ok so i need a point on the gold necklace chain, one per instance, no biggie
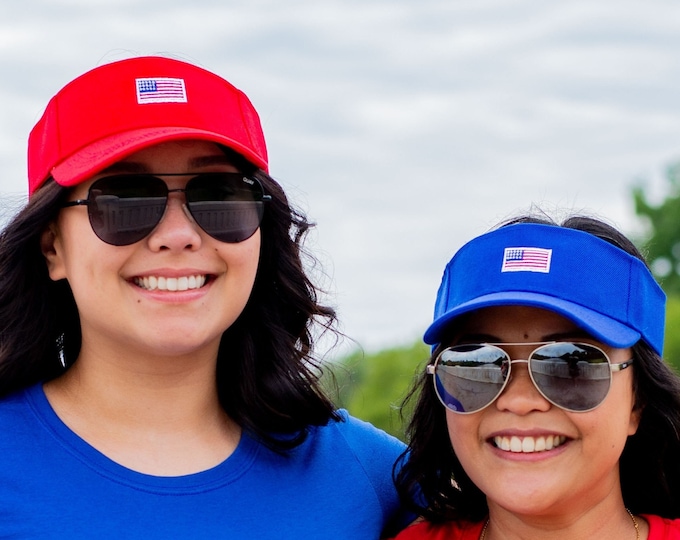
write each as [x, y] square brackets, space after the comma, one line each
[635, 524]
[482, 536]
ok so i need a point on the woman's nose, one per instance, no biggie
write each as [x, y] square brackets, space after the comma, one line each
[520, 395]
[177, 229]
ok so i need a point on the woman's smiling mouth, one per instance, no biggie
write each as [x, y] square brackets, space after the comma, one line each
[528, 444]
[161, 283]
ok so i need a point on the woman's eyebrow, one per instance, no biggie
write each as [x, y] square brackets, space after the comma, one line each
[125, 167]
[207, 161]
[476, 338]
[138, 168]
[576, 333]
[471, 337]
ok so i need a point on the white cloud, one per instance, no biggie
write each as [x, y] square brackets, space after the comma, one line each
[404, 128]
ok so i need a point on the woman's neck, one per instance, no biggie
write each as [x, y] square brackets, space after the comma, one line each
[156, 415]
[608, 520]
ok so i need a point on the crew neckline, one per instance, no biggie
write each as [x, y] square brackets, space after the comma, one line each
[233, 467]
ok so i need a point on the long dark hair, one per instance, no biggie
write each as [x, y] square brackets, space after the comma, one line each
[267, 376]
[433, 483]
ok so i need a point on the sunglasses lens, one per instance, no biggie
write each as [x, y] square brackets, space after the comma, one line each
[227, 206]
[467, 378]
[574, 376]
[124, 209]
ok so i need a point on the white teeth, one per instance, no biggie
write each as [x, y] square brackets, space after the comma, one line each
[529, 445]
[160, 283]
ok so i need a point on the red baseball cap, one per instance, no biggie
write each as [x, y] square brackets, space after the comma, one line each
[117, 109]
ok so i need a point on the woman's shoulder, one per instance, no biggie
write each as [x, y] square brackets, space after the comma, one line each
[17, 403]
[361, 446]
[363, 438]
[662, 528]
[20, 417]
[450, 530]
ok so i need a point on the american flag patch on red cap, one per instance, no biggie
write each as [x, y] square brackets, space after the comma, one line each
[526, 259]
[161, 90]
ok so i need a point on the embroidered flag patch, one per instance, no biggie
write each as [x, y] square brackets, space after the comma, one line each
[526, 259]
[161, 90]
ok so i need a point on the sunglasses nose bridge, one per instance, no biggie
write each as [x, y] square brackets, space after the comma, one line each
[176, 190]
[522, 398]
[175, 195]
[511, 373]
[173, 198]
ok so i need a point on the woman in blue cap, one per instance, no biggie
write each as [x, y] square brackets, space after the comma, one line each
[546, 410]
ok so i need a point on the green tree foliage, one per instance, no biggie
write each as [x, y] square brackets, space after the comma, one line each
[373, 386]
[662, 246]
[662, 249]
[671, 350]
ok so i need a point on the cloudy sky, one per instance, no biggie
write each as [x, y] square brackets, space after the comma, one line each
[403, 128]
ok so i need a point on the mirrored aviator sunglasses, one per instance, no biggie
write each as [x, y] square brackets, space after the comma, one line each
[575, 377]
[125, 208]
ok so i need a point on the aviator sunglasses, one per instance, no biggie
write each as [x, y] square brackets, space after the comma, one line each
[575, 377]
[125, 208]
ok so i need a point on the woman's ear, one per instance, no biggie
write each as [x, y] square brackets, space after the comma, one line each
[634, 421]
[50, 245]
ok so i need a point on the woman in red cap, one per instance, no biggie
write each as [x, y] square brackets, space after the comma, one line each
[546, 410]
[156, 331]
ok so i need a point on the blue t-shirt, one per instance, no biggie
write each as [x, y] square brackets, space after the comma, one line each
[336, 485]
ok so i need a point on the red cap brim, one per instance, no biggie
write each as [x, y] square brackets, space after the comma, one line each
[101, 154]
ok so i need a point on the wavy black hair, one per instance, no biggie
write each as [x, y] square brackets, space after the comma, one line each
[267, 377]
[432, 482]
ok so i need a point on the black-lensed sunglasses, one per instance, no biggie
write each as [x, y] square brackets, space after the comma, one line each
[125, 208]
[573, 376]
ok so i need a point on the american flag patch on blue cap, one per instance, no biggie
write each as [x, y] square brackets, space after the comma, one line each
[526, 259]
[161, 90]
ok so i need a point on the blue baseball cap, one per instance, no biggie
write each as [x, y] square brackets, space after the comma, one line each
[601, 288]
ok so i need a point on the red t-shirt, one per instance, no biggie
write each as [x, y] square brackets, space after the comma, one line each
[659, 529]
[663, 529]
[444, 531]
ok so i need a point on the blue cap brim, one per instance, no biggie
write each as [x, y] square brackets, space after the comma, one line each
[602, 328]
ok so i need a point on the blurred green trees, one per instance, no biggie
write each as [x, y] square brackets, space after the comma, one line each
[662, 244]
[373, 386]
[671, 350]
[661, 247]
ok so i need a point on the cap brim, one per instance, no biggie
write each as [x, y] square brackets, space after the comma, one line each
[601, 327]
[105, 152]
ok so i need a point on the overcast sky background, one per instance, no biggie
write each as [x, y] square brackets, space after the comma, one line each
[403, 128]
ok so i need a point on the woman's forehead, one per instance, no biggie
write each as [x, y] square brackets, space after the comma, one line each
[525, 320]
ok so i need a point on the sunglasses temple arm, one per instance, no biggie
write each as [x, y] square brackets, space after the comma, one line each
[78, 202]
[621, 366]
